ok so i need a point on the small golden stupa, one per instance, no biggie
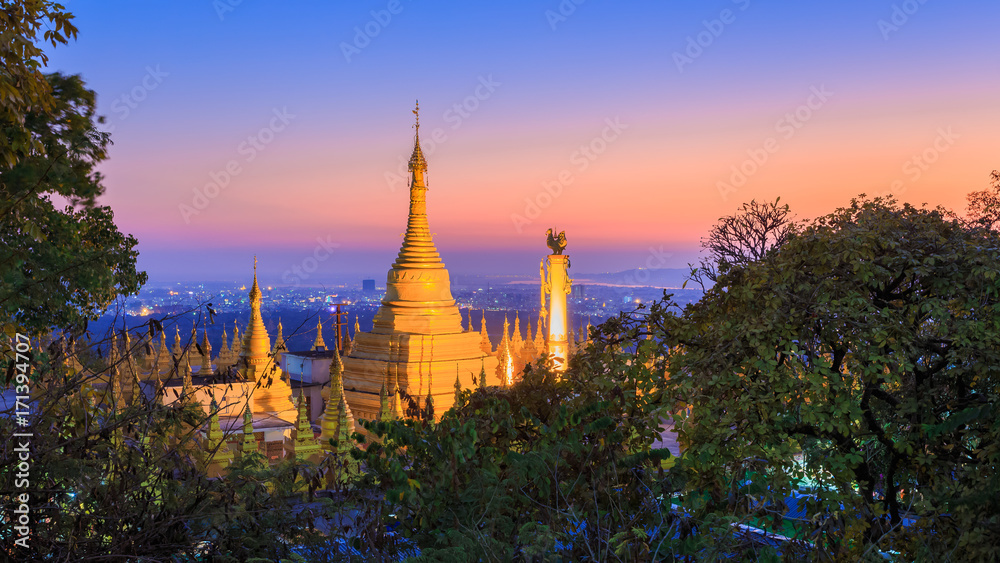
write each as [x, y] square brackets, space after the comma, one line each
[269, 393]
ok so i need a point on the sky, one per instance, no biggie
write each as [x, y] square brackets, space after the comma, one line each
[281, 130]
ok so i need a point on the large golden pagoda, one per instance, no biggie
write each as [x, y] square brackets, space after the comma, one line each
[417, 341]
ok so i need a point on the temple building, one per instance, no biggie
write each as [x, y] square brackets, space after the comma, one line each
[417, 343]
[418, 351]
[242, 389]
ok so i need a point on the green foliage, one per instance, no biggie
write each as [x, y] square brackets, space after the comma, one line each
[859, 358]
[130, 483]
[61, 267]
[548, 469]
[23, 88]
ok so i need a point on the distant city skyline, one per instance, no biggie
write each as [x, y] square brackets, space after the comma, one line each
[242, 129]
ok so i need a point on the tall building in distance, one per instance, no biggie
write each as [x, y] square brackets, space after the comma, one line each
[417, 344]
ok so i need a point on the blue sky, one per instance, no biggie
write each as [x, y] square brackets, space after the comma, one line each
[514, 90]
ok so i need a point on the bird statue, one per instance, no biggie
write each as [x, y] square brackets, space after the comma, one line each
[556, 243]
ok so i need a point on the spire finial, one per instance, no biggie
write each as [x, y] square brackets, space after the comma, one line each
[254, 288]
[418, 165]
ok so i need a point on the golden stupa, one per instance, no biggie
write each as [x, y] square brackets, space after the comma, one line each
[269, 393]
[417, 340]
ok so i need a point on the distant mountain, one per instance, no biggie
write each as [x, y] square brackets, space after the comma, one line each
[639, 277]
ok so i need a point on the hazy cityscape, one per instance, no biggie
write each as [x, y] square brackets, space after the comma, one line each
[594, 298]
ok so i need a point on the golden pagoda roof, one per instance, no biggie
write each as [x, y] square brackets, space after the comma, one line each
[258, 343]
[418, 249]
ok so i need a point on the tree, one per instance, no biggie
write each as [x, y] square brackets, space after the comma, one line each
[113, 481]
[548, 466]
[23, 88]
[868, 343]
[61, 267]
[58, 267]
[984, 206]
[741, 238]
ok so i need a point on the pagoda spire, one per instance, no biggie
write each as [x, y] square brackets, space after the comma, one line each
[336, 371]
[345, 429]
[192, 345]
[418, 295]
[418, 249]
[271, 393]
[223, 359]
[346, 344]
[484, 341]
[539, 335]
[206, 354]
[162, 357]
[383, 403]
[418, 165]
[303, 444]
[517, 343]
[429, 401]
[258, 343]
[505, 363]
[388, 408]
[237, 349]
[505, 338]
[248, 443]
[187, 384]
[220, 455]
[396, 397]
[177, 350]
[319, 344]
[279, 344]
[333, 417]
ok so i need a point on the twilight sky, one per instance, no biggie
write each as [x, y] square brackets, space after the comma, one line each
[282, 129]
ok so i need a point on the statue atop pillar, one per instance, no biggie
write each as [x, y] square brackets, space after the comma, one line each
[557, 284]
[557, 243]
